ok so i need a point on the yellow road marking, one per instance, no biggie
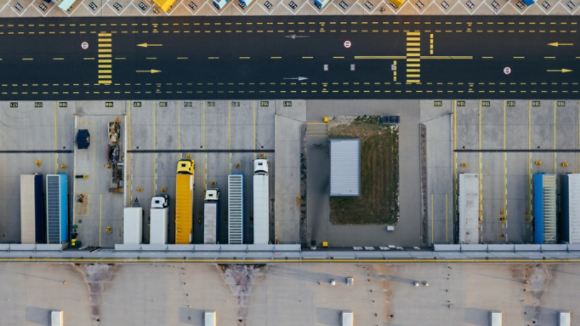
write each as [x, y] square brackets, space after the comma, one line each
[378, 57]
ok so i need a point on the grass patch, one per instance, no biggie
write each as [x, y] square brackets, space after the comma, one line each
[379, 200]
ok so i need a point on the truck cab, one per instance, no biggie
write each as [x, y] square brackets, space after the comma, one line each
[212, 194]
[320, 3]
[160, 201]
[220, 3]
[529, 2]
[185, 166]
[261, 166]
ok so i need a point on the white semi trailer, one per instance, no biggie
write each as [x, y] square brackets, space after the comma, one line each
[261, 202]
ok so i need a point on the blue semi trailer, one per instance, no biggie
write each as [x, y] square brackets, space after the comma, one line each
[57, 208]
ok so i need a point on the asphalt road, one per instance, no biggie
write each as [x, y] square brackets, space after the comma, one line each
[285, 57]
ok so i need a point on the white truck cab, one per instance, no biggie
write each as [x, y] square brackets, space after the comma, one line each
[261, 166]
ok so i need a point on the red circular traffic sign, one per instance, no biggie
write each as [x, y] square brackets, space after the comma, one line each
[85, 45]
[507, 70]
[347, 44]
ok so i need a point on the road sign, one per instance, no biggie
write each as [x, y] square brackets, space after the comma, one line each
[347, 44]
[507, 70]
[85, 45]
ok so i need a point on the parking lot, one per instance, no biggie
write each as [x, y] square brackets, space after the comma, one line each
[35, 137]
[99, 214]
[222, 137]
[510, 127]
[206, 132]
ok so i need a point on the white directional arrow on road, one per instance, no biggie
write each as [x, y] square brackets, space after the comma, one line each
[297, 78]
[294, 36]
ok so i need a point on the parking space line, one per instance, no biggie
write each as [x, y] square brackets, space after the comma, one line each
[555, 135]
[55, 140]
[100, 216]
[179, 126]
[154, 148]
[254, 123]
[432, 220]
[454, 161]
[479, 169]
[446, 213]
[128, 145]
[529, 220]
[204, 146]
[229, 139]
[504, 170]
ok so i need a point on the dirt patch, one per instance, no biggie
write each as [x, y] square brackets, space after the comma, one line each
[240, 279]
[379, 200]
[97, 277]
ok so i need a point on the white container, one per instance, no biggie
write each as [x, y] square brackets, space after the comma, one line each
[132, 225]
[564, 318]
[56, 318]
[495, 318]
[209, 318]
[347, 318]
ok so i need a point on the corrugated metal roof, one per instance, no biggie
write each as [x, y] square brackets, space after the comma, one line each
[345, 167]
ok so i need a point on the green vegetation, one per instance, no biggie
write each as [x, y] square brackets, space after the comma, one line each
[379, 200]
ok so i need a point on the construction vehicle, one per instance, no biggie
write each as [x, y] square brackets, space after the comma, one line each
[114, 131]
[211, 216]
[184, 184]
[261, 202]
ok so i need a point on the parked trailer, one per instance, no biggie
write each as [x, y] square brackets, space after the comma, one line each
[32, 217]
[184, 201]
[57, 208]
[133, 225]
[545, 208]
[570, 223]
[211, 216]
[236, 209]
[468, 208]
[261, 202]
[159, 214]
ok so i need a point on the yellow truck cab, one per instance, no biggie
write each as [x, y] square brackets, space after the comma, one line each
[186, 166]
